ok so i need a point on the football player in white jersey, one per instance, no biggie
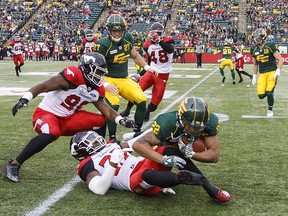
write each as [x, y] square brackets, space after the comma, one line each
[60, 114]
[89, 41]
[110, 165]
[160, 51]
[16, 53]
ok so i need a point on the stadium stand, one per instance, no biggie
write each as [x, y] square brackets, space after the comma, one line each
[210, 21]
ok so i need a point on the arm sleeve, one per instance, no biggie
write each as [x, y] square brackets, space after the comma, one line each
[101, 184]
[167, 47]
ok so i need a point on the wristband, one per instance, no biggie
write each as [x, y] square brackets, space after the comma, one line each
[106, 84]
[147, 67]
[278, 70]
[28, 95]
[118, 118]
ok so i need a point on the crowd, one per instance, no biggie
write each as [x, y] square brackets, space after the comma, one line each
[208, 22]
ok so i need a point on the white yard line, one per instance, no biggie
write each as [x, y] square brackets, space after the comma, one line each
[60, 193]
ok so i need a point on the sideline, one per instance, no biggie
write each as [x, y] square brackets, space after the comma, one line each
[60, 193]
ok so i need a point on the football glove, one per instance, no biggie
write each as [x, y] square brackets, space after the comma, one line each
[254, 79]
[23, 102]
[277, 73]
[186, 149]
[127, 123]
[173, 161]
[116, 156]
[190, 178]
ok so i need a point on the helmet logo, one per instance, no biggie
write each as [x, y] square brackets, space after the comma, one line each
[87, 59]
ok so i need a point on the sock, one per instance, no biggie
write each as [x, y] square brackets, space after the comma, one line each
[140, 114]
[162, 179]
[35, 145]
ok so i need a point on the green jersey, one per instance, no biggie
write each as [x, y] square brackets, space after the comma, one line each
[166, 130]
[264, 56]
[138, 44]
[226, 51]
[116, 55]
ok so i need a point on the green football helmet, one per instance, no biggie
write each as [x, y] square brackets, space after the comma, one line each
[193, 115]
[117, 23]
[259, 36]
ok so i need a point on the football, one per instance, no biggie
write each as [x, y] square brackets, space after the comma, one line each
[198, 145]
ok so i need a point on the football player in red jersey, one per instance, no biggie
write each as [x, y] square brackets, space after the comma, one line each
[239, 64]
[60, 114]
[88, 42]
[160, 51]
[16, 53]
[110, 165]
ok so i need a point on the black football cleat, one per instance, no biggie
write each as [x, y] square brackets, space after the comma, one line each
[12, 171]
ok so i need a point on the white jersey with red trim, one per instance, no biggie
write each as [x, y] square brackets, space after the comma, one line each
[65, 103]
[45, 49]
[238, 53]
[88, 45]
[16, 47]
[37, 48]
[121, 179]
[160, 59]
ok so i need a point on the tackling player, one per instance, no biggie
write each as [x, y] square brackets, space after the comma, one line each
[226, 60]
[16, 53]
[178, 130]
[105, 166]
[117, 49]
[265, 56]
[160, 51]
[60, 114]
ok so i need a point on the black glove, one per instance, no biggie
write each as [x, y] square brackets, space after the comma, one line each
[189, 178]
[127, 123]
[23, 102]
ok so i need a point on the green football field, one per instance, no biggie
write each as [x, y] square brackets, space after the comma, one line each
[252, 168]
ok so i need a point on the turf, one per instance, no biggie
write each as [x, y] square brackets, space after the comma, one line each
[252, 168]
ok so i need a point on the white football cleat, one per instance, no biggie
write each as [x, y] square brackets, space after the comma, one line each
[269, 113]
[168, 191]
[128, 136]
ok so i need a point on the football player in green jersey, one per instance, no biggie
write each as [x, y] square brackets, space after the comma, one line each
[178, 130]
[226, 60]
[265, 56]
[117, 49]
